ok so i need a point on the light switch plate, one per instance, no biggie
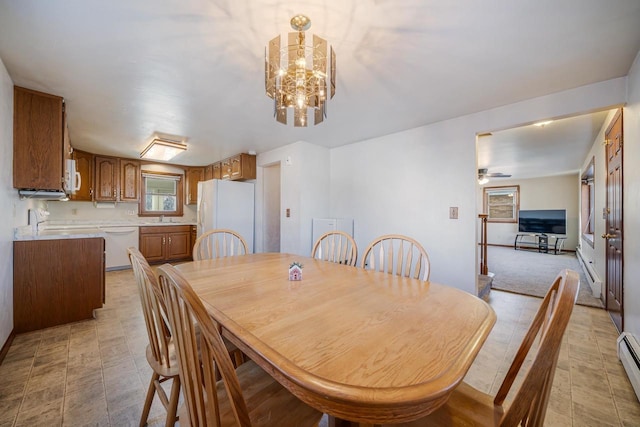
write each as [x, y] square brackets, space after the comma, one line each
[453, 212]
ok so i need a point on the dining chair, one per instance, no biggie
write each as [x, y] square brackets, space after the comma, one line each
[247, 396]
[160, 351]
[397, 254]
[335, 246]
[468, 406]
[218, 243]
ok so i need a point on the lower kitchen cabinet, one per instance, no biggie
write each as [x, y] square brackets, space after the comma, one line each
[56, 281]
[165, 243]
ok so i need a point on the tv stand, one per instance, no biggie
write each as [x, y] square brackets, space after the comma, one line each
[540, 241]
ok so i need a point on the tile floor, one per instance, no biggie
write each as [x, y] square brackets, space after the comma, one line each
[95, 372]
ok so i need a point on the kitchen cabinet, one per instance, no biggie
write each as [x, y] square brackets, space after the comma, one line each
[38, 140]
[194, 175]
[217, 170]
[164, 243]
[129, 180]
[84, 166]
[56, 281]
[208, 172]
[116, 180]
[239, 167]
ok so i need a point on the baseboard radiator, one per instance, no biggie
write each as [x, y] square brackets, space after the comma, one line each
[592, 276]
[629, 355]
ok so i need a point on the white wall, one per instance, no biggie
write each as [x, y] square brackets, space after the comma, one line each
[554, 192]
[7, 196]
[631, 202]
[304, 189]
[405, 182]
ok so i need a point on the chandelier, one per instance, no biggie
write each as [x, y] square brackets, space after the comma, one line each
[298, 76]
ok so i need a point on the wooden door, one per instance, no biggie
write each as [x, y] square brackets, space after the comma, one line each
[613, 231]
[84, 166]
[178, 245]
[153, 246]
[225, 169]
[217, 170]
[129, 180]
[37, 140]
[194, 175]
[208, 172]
[106, 179]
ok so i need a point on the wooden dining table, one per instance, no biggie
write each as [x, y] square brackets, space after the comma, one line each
[359, 345]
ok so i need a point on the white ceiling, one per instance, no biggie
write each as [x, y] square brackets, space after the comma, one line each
[557, 148]
[130, 69]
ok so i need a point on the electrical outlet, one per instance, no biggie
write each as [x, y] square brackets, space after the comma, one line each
[453, 213]
[287, 213]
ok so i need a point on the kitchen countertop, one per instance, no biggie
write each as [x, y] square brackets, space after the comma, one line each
[82, 229]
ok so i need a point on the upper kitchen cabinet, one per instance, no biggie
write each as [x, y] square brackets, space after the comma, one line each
[129, 180]
[239, 168]
[194, 175]
[216, 170]
[38, 140]
[116, 180]
[84, 167]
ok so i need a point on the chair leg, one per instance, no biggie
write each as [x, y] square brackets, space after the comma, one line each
[149, 400]
[172, 410]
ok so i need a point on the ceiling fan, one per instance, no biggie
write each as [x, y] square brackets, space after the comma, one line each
[484, 175]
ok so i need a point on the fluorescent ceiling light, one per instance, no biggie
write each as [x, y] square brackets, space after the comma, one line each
[161, 149]
[543, 124]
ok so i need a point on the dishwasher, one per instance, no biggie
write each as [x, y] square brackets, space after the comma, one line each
[117, 240]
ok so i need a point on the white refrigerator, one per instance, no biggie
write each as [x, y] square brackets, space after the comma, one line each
[227, 204]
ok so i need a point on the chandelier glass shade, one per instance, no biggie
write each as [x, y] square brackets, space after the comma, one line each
[298, 76]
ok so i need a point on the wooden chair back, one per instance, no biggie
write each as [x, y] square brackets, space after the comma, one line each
[336, 246]
[530, 402]
[219, 243]
[198, 380]
[152, 308]
[397, 254]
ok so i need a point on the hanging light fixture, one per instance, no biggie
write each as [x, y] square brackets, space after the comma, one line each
[299, 76]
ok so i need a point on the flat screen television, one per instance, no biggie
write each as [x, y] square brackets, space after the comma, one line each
[547, 221]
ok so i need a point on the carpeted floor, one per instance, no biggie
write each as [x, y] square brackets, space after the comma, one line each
[531, 273]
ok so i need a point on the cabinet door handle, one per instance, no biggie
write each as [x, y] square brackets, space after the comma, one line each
[114, 193]
[169, 240]
[164, 241]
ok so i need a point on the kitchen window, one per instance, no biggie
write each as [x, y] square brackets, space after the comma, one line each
[161, 194]
[502, 203]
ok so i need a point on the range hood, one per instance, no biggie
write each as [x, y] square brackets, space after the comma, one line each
[43, 195]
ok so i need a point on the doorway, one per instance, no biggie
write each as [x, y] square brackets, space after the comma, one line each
[271, 208]
[613, 231]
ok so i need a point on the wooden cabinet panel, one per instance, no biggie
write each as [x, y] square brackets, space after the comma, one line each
[56, 281]
[217, 170]
[106, 179]
[208, 172]
[166, 243]
[84, 166]
[179, 244]
[38, 139]
[194, 175]
[129, 180]
[152, 246]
